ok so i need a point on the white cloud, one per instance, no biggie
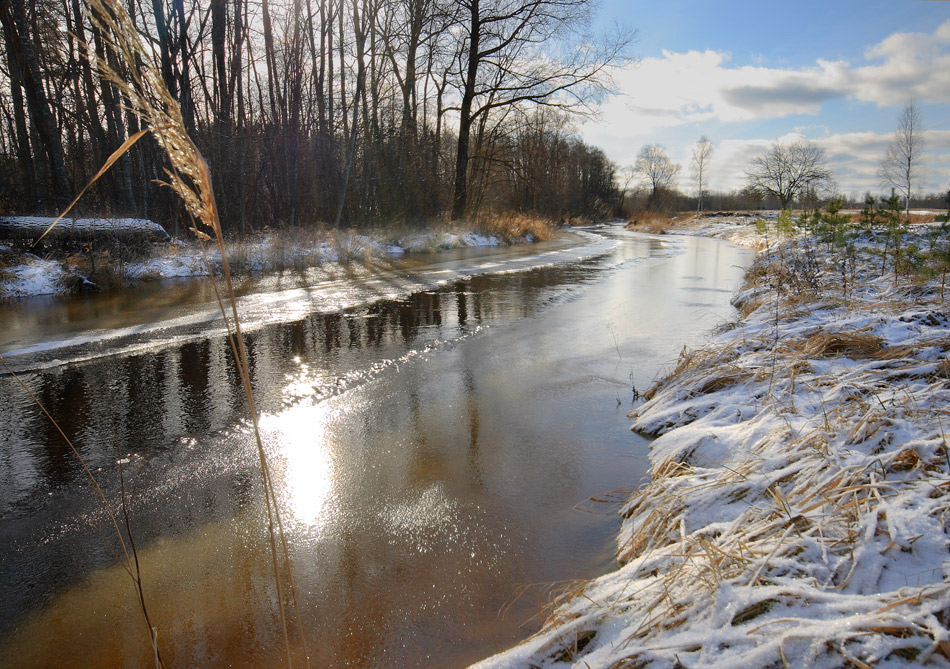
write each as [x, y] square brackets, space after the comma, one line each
[676, 95]
[691, 87]
[912, 65]
[682, 88]
[853, 158]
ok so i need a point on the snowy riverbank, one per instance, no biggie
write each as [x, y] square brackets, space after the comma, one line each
[797, 513]
[25, 274]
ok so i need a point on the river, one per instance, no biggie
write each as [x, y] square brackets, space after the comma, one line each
[448, 437]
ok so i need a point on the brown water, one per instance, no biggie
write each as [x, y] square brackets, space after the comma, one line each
[435, 454]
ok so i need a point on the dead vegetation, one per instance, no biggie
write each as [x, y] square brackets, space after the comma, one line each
[847, 344]
[800, 496]
[804, 504]
[657, 223]
[512, 227]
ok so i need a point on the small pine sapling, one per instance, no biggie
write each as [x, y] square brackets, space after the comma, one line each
[868, 214]
[938, 256]
[895, 227]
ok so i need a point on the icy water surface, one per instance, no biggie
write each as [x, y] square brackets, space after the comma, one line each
[436, 432]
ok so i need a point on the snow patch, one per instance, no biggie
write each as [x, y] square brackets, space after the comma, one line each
[34, 277]
[798, 512]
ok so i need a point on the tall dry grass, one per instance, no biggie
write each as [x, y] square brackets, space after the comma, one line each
[515, 226]
[653, 222]
[190, 177]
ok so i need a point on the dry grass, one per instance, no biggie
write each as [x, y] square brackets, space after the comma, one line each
[690, 359]
[846, 344]
[8, 258]
[103, 268]
[823, 506]
[515, 226]
[655, 222]
[190, 177]
[286, 249]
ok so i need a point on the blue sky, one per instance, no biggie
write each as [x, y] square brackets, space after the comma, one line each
[745, 74]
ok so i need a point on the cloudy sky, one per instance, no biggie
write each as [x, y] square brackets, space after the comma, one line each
[744, 74]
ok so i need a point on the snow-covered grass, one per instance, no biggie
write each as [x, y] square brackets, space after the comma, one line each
[32, 276]
[25, 275]
[738, 229]
[300, 249]
[798, 508]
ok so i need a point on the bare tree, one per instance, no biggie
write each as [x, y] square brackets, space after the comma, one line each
[702, 154]
[786, 170]
[508, 56]
[315, 110]
[901, 164]
[625, 176]
[25, 64]
[656, 169]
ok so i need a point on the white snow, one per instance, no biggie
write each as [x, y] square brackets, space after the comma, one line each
[90, 225]
[256, 255]
[798, 510]
[168, 267]
[739, 230]
[34, 276]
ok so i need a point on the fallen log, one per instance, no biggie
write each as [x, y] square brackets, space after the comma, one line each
[81, 229]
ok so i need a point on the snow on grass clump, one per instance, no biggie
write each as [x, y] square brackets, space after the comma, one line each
[168, 267]
[797, 514]
[34, 276]
[288, 249]
[738, 230]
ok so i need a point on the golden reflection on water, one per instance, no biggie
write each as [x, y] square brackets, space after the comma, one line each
[297, 440]
[203, 590]
[208, 591]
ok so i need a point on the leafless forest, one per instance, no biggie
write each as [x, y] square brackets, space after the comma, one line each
[315, 111]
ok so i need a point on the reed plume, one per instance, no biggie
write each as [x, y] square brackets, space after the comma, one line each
[148, 98]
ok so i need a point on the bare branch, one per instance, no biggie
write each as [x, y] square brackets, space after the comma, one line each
[787, 170]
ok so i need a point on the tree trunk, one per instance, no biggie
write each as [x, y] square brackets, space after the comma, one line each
[164, 45]
[459, 199]
[219, 24]
[22, 138]
[112, 105]
[20, 47]
[184, 74]
[270, 56]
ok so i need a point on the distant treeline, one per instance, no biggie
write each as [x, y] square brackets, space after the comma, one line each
[746, 200]
[314, 111]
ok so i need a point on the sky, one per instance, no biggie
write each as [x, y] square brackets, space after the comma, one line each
[746, 74]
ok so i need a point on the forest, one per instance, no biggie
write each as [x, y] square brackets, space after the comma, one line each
[314, 112]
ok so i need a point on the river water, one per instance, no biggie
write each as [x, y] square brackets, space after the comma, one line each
[448, 437]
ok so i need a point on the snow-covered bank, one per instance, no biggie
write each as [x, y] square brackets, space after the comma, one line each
[25, 274]
[738, 230]
[798, 510]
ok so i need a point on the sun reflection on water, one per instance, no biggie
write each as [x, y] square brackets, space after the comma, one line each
[296, 439]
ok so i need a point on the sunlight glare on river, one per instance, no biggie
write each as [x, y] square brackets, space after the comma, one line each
[296, 443]
[437, 458]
